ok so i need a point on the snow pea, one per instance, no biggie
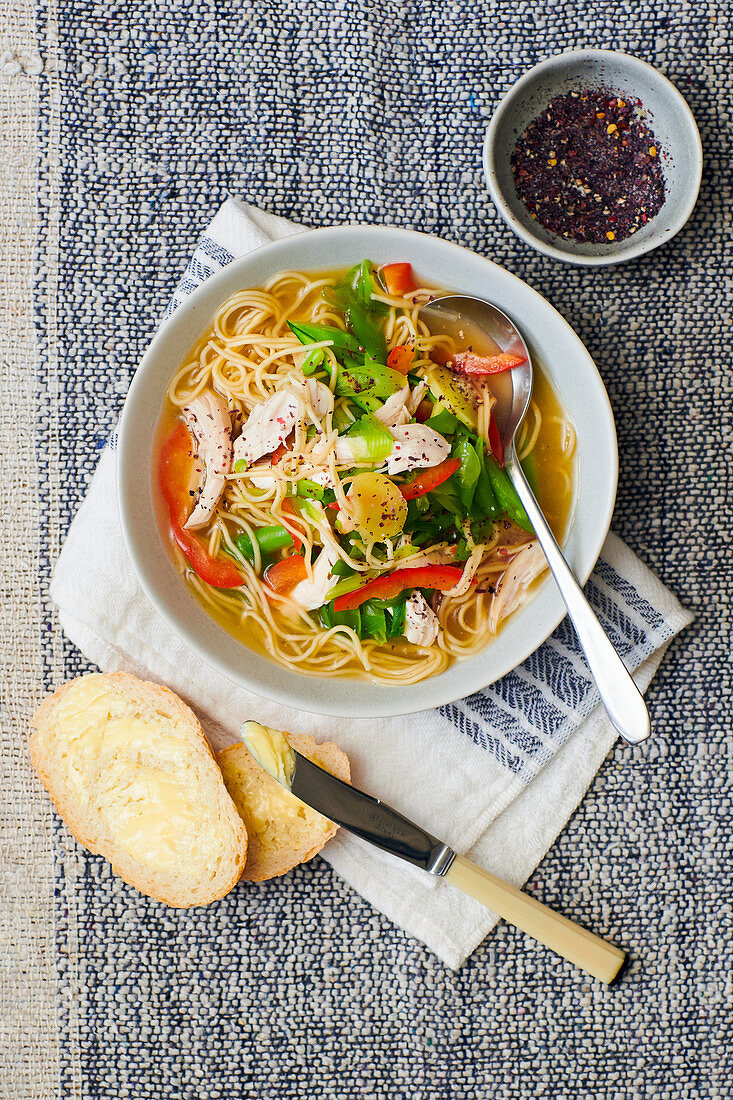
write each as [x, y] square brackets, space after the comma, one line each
[269, 539]
[506, 494]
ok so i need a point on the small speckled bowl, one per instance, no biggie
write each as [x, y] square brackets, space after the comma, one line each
[662, 107]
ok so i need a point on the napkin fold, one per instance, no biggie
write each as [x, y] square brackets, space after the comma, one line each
[496, 775]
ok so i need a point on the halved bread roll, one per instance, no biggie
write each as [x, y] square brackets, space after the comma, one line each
[282, 830]
[130, 771]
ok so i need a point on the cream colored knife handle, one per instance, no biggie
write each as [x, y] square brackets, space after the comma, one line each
[574, 943]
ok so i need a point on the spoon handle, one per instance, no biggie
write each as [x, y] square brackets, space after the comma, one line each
[621, 698]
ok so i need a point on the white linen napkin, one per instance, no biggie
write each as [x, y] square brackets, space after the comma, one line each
[496, 775]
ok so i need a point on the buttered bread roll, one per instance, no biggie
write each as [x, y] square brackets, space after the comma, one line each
[282, 830]
[128, 768]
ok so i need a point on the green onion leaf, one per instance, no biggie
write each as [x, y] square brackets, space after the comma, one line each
[396, 627]
[307, 488]
[463, 551]
[444, 422]
[331, 618]
[340, 568]
[447, 497]
[373, 620]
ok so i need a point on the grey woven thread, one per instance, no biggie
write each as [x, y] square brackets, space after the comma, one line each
[375, 112]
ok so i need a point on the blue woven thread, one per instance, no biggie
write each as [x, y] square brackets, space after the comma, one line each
[340, 112]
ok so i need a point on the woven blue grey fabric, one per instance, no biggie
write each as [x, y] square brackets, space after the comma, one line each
[334, 113]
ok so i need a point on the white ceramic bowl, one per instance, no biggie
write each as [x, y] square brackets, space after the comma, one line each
[562, 355]
[667, 114]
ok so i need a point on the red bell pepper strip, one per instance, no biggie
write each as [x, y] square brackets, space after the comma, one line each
[398, 279]
[283, 575]
[441, 577]
[467, 362]
[430, 479]
[400, 358]
[495, 441]
[174, 478]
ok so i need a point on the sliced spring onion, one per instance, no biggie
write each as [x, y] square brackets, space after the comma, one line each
[370, 440]
[348, 584]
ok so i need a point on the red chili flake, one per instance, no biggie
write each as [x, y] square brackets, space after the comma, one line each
[571, 168]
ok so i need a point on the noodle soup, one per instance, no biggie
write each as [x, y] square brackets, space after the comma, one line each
[334, 478]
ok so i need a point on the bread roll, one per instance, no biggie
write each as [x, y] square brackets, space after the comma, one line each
[128, 768]
[282, 830]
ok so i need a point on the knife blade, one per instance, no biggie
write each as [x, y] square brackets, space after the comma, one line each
[379, 824]
[368, 818]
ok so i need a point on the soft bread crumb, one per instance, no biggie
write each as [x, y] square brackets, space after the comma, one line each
[129, 770]
[282, 830]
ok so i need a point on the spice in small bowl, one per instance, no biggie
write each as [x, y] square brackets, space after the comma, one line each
[588, 189]
[589, 168]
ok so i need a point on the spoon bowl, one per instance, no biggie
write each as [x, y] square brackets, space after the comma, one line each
[490, 331]
[483, 323]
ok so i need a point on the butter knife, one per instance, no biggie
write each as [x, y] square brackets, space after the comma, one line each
[382, 826]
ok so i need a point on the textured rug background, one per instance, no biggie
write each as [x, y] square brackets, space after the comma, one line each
[152, 111]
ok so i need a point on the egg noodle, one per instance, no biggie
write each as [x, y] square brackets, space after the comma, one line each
[247, 355]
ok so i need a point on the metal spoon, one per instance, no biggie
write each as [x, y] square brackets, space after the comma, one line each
[621, 697]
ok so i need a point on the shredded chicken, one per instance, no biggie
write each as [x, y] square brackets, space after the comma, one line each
[416, 447]
[208, 417]
[421, 622]
[268, 425]
[394, 410]
[416, 397]
[318, 396]
[524, 568]
[443, 554]
[311, 594]
[401, 406]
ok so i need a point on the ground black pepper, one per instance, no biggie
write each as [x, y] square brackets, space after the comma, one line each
[588, 168]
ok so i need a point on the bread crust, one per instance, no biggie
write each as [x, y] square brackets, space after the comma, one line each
[178, 888]
[245, 777]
